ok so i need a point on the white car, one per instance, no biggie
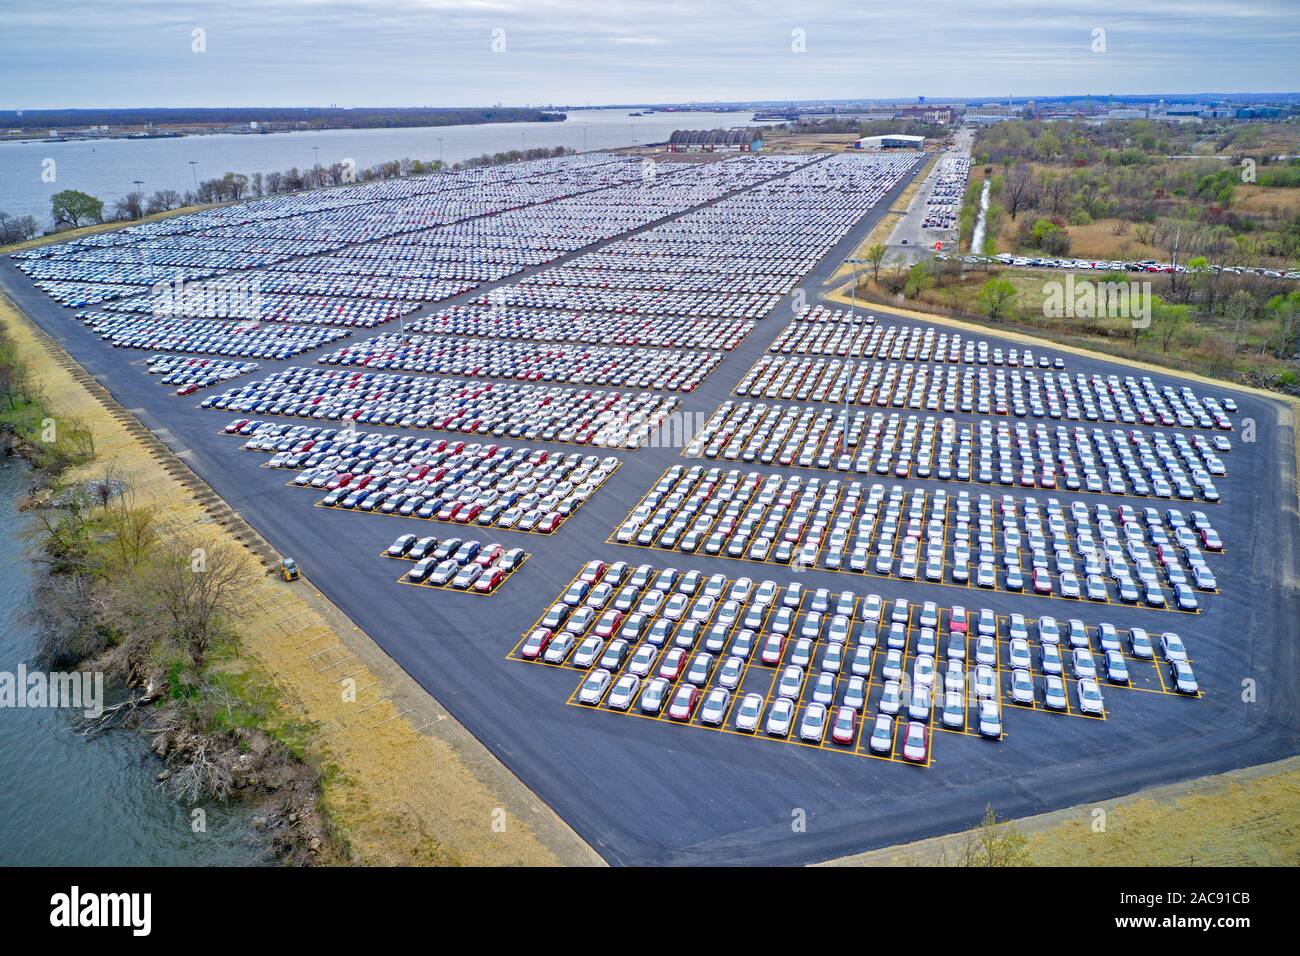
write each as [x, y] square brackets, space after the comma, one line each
[813, 726]
[749, 712]
[593, 688]
[779, 717]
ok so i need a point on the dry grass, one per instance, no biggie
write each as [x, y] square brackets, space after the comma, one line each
[398, 796]
[1246, 817]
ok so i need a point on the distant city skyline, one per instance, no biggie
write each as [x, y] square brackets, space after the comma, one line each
[143, 53]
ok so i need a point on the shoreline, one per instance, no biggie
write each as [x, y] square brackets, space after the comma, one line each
[403, 793]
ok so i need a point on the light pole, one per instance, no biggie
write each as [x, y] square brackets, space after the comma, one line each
[138, 183]
[440, 163]
[316, 153]
[584, 139]
[194, 168]
[523, 141]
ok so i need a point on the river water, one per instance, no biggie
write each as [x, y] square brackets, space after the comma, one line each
[68, 801]
[108, 168]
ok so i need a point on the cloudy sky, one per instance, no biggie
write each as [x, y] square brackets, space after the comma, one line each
[116, 53]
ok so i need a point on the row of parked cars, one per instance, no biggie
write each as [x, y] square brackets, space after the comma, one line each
[579, 416]
[191, 374]
[290, 245]
[943, 204]
[572, 364]
[227, 299]
[456, 563]
[991, 451]
[486, 485]
[1115, 265]
[847, 333]
[690, 647]
[241, 339]
[977, 390]
[1077, 552]
[557, 325]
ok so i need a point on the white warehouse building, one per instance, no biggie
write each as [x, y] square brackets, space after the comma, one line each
[890, 141]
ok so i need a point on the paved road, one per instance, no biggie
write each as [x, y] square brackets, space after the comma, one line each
[644, 792]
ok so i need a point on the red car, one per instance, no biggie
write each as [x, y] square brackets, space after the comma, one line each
[592, 572]
[488, 581]
[957, 622]
[488, 555]
[1042, 583]
[683, 703]
[609, 624]
[467, 514]
[537, 643]
[917, 745]
[845, 727]
[549, 523]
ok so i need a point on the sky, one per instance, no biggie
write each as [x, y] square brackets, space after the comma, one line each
[132, 53]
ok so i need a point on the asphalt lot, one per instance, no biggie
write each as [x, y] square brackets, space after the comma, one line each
[643, 793]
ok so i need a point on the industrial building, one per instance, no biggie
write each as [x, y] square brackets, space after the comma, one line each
[890, 141]
[715, 140]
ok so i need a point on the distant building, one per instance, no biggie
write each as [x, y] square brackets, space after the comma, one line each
[890, 141]
[715, 140]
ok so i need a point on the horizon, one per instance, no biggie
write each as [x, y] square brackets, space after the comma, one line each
[479, 53]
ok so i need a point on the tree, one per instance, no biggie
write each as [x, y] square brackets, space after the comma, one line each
[919, 278]
[162, 201]
[1017, 190]
[996, 296]
[71, 208]
[192, 588]
[876, 257]
[1168, 319]
[16, 228]
[130, 206]
[1239, 308]
[1286, 311]
[992, 842]
[1054, 189]
[1176, 237]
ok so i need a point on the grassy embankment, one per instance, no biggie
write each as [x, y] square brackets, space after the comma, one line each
[388, 794]
[1247, 817]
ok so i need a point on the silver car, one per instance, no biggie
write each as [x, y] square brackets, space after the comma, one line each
[749, 712]
[624, 692]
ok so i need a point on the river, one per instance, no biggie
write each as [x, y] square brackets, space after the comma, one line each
[108, 168]
[68, 801]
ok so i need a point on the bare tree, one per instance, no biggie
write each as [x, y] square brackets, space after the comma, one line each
[1017, 190]
[194, 586]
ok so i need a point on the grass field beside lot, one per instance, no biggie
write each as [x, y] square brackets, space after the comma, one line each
[1248, 817]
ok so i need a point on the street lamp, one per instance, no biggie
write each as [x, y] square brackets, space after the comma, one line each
[316, 152]
[194, 168]
[138, 184]
[440, 162]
